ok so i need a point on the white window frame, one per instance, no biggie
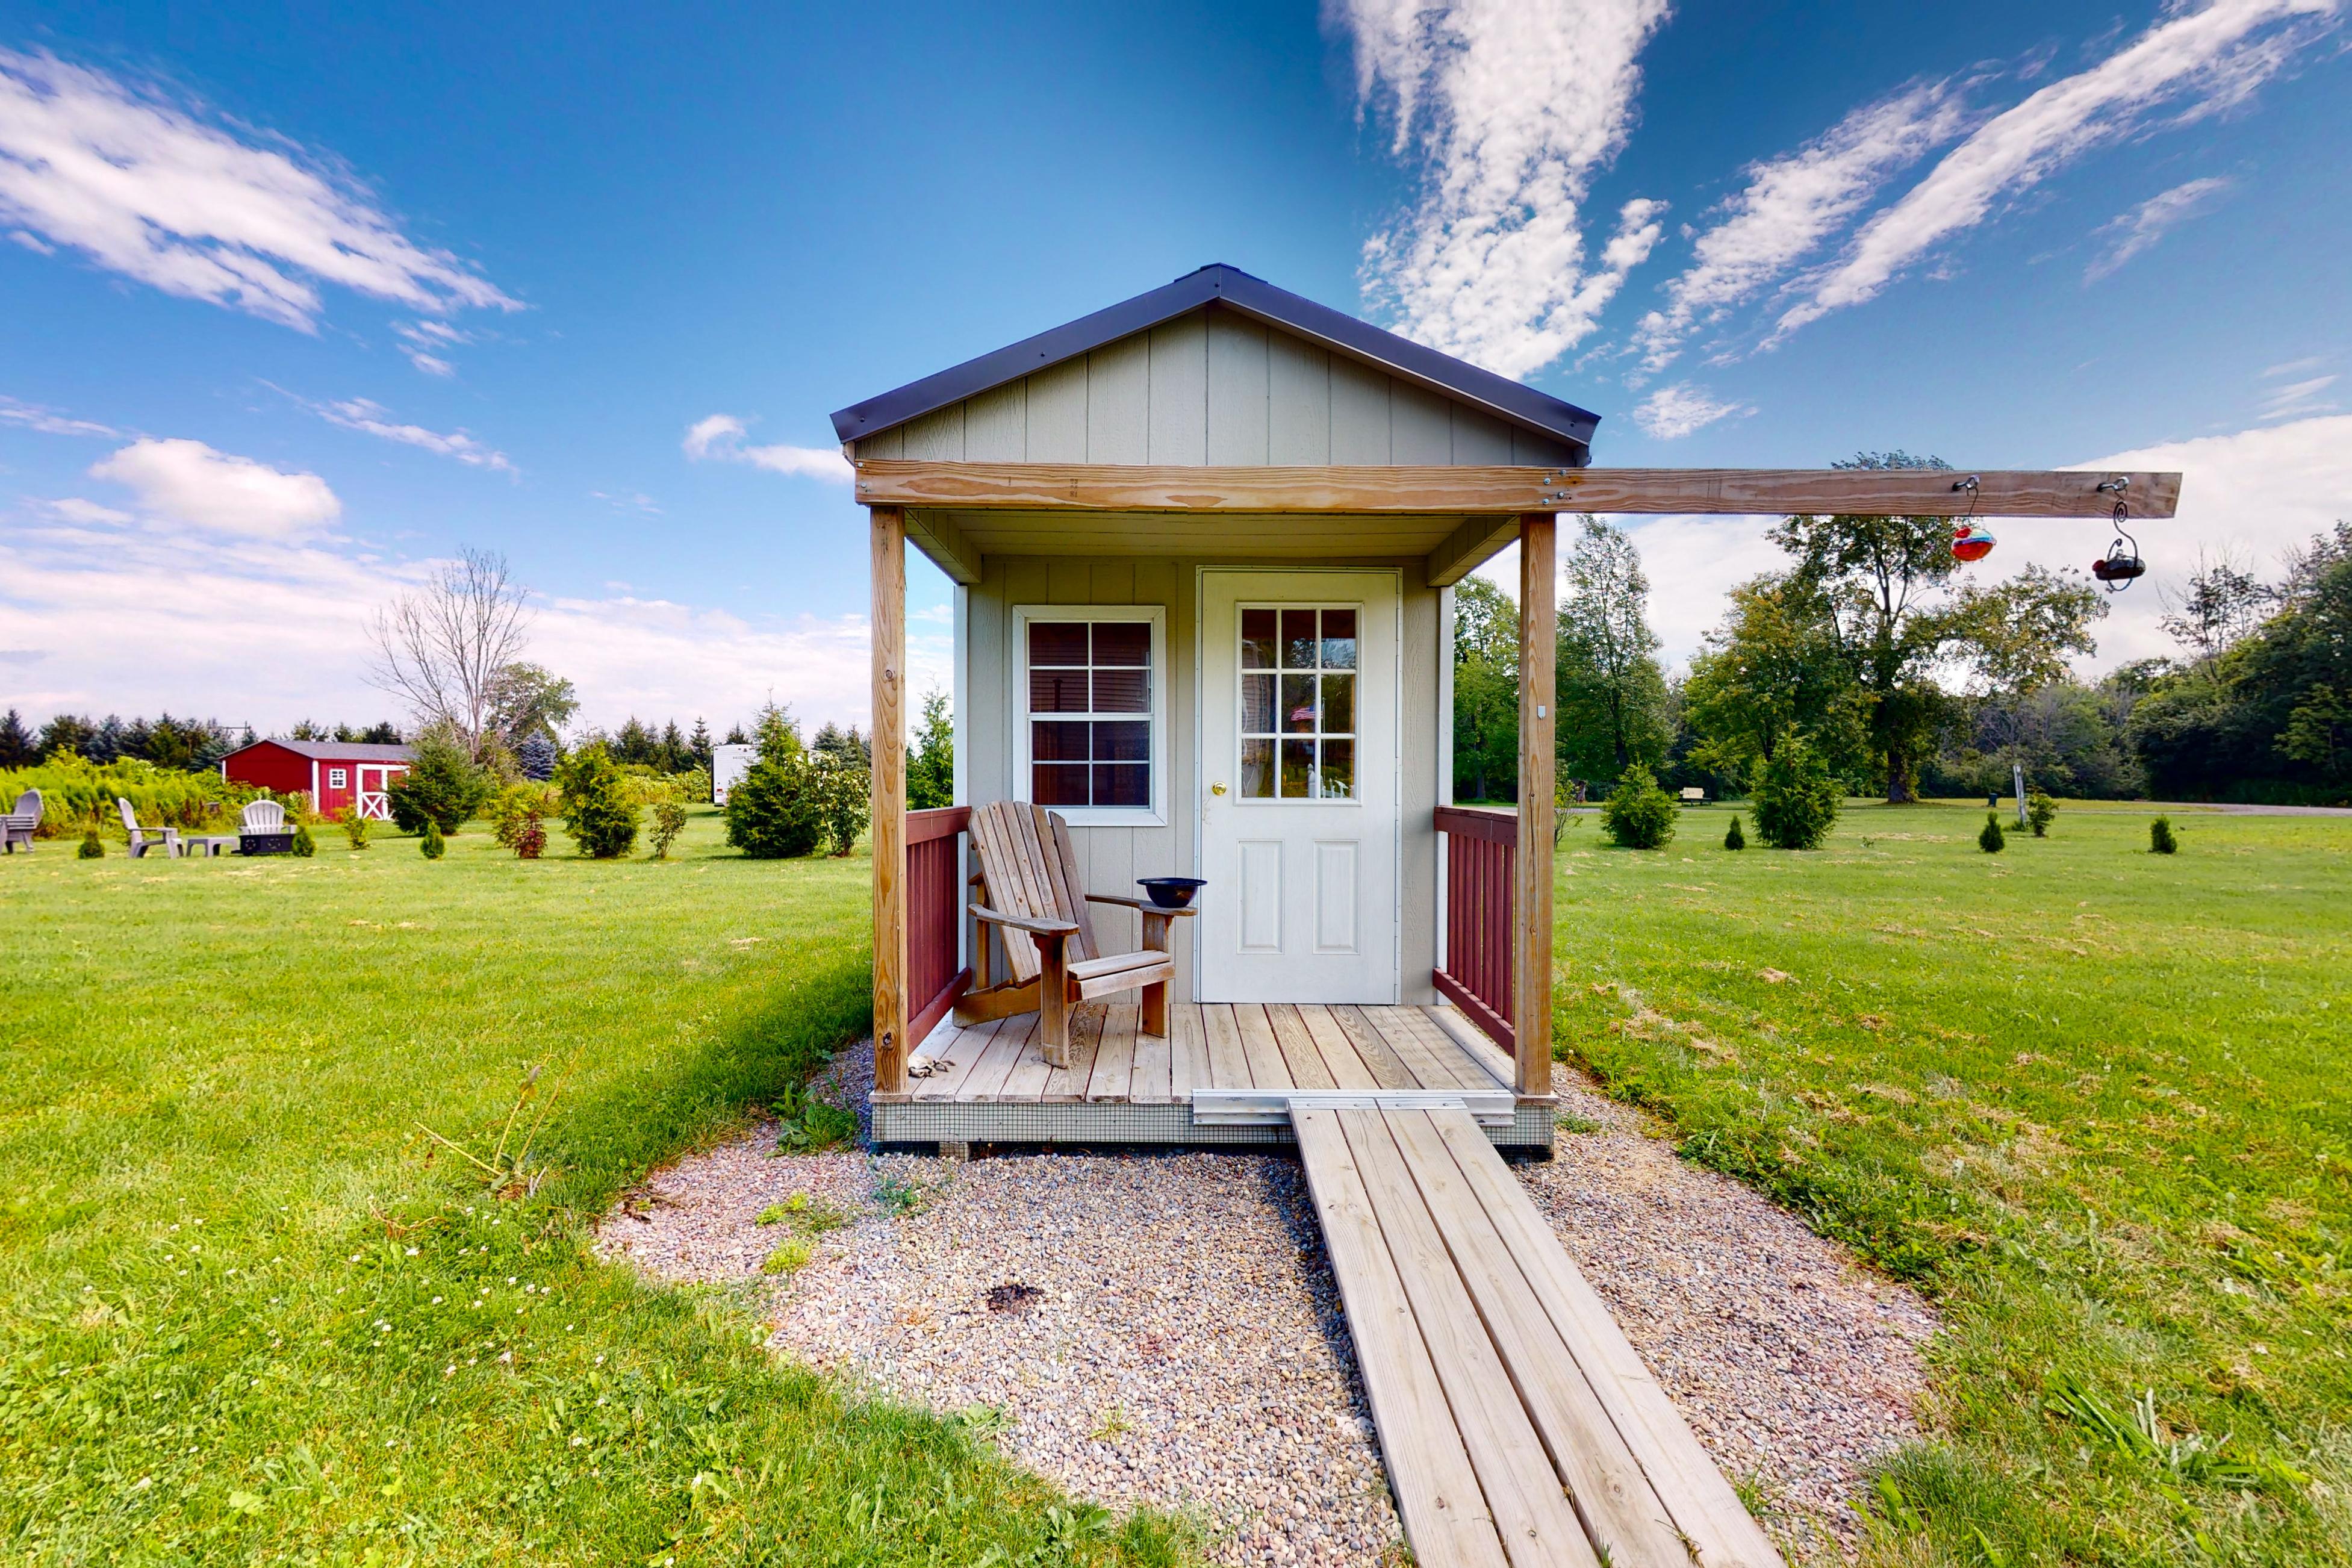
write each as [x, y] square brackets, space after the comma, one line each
[337, 778]
[1261, 803]
[1156, 617]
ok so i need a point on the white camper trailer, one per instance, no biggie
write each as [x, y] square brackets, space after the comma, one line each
[729, 763]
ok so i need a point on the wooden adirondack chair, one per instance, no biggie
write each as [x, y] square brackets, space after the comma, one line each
[19, 825]
[169, 843]
[1029, 890]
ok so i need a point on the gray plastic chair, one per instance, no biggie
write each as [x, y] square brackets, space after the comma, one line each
[167, 840]
[16, 828]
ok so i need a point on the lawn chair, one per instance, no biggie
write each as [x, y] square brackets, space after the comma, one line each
[261, 829]
[168, 840]
[17, 828]
[1029, 890]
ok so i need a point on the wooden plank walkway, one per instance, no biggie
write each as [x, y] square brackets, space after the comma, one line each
[1210, 1046]
[1518, 1426]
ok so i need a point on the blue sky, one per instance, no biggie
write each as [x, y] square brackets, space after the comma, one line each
[299, 302]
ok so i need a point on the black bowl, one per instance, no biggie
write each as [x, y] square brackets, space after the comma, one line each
[1171, 893]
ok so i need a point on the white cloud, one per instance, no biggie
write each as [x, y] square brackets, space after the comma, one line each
[2140, 228]
[161, 192]
[2213, 58]
[2297, 399]
[1792, 204]
[48, 421]
[374, 419]
[423, 342]
[1673, 411]
[721, 438]
[187, 482]
[74, 509]
[269, 631]
[1511, 108]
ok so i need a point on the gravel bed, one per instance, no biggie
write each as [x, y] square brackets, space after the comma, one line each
[1165, 1329]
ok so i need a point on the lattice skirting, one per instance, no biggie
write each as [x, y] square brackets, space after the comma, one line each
[1119, 1121]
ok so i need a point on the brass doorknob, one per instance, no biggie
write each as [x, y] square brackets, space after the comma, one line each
[1216, 789]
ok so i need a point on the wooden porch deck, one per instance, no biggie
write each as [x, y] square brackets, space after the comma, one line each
[989, 1083]
[1518, 1426]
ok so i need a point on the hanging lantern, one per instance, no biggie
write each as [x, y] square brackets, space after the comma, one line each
[1971, 541]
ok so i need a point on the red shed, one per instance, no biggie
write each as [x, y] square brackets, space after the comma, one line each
[337, 773]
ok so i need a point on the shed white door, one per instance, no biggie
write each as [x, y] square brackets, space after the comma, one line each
[1298, 786]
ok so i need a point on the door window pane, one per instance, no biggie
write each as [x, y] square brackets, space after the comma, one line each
[1337, 778]
[1338, 704]
[1297, 639]
[1257, 705]
[1297, 704]
[1258, 770]
[1257, 639]
[1079, 672]
[1338, 639]
[1297, 766]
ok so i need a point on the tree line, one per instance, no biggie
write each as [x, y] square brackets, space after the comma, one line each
[1871, 649]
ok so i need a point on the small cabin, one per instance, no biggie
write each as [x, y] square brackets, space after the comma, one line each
[334, 773]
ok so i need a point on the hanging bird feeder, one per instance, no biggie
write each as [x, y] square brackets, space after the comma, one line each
[2122, 564]
[1971, 539]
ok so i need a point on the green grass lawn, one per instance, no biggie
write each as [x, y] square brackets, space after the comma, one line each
[249, 1313]
[2089, 1097]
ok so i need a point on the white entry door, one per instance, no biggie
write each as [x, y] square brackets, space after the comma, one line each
[1298, 785]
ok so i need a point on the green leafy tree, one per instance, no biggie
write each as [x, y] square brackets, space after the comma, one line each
[1611, 690]
[669, 821]
[776, 810]
[526, 701]
[1794, 797]
[600, 806]
[1773, 667]
[1486, 691]
[2041, 811]
[930, 771]
[1638, 814]
[443, 785]
[843, 792]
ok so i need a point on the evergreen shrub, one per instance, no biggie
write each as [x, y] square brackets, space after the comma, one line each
[355, 827]
[1732, 838]
[93, 847]
[600, 806]
[2039, 810]
[434, 845]
[1794, 795]
[1993, 841]
[1638, 814]
[304, 845]
[776, 810]
[2161, 839]
[443, 785]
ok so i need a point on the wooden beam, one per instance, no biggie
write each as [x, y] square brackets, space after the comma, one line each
[1538, 714]
[937, 537]
[1468, 547]
[1437, 491]
[889, 799]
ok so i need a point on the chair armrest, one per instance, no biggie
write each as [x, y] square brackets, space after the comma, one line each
[1033, 927]
[1144, 906]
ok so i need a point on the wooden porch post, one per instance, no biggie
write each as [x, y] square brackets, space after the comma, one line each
[1539, 658]
[889, 799]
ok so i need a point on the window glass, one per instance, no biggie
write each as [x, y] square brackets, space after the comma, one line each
[1299, 718]
[1089, 688]
[335, 777]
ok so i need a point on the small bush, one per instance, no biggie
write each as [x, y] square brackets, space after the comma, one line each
[2161, 840]
[599, 810]
[304, 845]
[93, 847]
[669, 821]
[2039, 810]
[442, 786]
[845, 799]
[1638, 814]
[518, 810]
[434, 845]
[355, 827]
[1732, 838]
[1992, 840]
[1794, 797]
[774, 811]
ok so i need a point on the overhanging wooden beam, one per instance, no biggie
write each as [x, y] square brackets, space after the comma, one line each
[939, 538]
[1499, 491]
[1469, 547]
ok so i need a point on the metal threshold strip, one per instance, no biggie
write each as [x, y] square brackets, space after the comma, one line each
[1272, 1106]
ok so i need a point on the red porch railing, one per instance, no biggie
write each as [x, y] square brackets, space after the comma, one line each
[936, 976]
[1476, 975]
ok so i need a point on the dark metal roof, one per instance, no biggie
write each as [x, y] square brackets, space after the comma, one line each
[1237, 290]
[340, 751]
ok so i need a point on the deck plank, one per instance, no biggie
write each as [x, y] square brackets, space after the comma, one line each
[1026, 1081]
[1430, 1068]
[1188, 1050]
[1613, 1497]
[1267, 1067]
[1430, 1476]
[1341, 1058]
[1515, 1473]
[987, 1080]
[1153, 1055]
[961, 1052]
[1705, 1507]
[1474, 1047]
[1115, 1055]
[1299, 1052]
[1228, 1067]
[1069, 1083]
[1373, 1049]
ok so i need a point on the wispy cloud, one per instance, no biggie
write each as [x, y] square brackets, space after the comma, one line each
[2141, 228]
[48, 421]
[1673, 411]
[425, 341]
[374, 419]
[2203, 61]
[188, 483]
[1510, 108]
[721, 438]
[2297, 399]
[1791, 205]
[163, 191]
